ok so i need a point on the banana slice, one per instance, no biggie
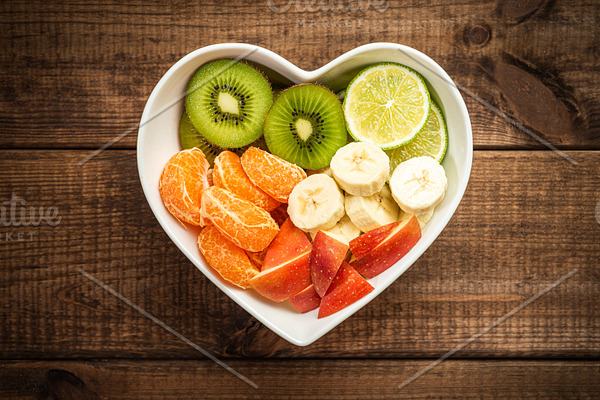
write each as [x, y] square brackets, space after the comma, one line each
[316, 203]
[418, 184]
[370, 212]
[360, 168]
[344, 230]
[422, 218]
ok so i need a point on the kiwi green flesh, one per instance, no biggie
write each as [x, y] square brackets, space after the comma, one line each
[306, 126]
[227, 102]
[190, 138]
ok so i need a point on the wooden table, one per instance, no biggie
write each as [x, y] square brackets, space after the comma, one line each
[75, 76]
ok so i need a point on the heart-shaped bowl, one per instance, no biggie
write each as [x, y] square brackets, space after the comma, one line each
[158, 140]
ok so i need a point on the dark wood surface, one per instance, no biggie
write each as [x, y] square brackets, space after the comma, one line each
[74, 76]
[298, 379]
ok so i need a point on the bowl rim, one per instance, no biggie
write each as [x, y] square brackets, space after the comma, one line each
[296, 74]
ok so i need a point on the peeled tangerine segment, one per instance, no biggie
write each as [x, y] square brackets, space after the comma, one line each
[347, 288]
[246, 225]
[257, 258]
[229, 260]
[229, 174]
[272, 174]
[280, 214]
[181, 184]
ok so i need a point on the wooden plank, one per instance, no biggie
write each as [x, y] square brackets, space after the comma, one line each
[299, 379]
[77, 75]
[527, 219]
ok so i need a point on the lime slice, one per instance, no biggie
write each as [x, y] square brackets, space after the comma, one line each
[386, 104]
[431, 141]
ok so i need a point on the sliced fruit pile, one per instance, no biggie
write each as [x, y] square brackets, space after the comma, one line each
[262, 176]
[319, 275]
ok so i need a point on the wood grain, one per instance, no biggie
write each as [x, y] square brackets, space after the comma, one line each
[299, 379]
[77, 75]
[527, 219]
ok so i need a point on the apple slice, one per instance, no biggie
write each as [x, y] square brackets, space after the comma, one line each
[307, 300]
[398, 242]
[289, 243]
[366, 242]
[285, 280]
[325, 260]
[347, 287]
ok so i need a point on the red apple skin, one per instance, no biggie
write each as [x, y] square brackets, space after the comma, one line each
[285, 280]
[326, 258]
[307, 300]
[289, 243]
[393, 248]
[366, 242]
[347, 287]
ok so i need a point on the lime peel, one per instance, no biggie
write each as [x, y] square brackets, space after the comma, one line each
[431, 141]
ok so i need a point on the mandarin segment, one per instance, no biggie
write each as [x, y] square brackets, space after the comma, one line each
[229, 260]
[257, 258]
[272, 174]
[280, 214]
[181, 184]
[229, 174]
[248, 226]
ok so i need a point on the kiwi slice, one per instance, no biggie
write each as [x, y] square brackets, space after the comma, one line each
[306, 126]
[190, 138]
[227, 102]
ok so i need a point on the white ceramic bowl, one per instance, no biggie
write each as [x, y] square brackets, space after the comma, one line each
[158, 140]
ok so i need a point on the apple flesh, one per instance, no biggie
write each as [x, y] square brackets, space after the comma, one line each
[307, 300]
[326, 257]
[392, 248]
[347, 287]
[289, 243]
[285, 280]
[366, 242]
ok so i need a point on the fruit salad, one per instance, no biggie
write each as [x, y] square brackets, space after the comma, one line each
[305, 196]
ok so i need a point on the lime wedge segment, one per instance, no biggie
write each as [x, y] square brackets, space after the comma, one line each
[431, 141]
[386, 104]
